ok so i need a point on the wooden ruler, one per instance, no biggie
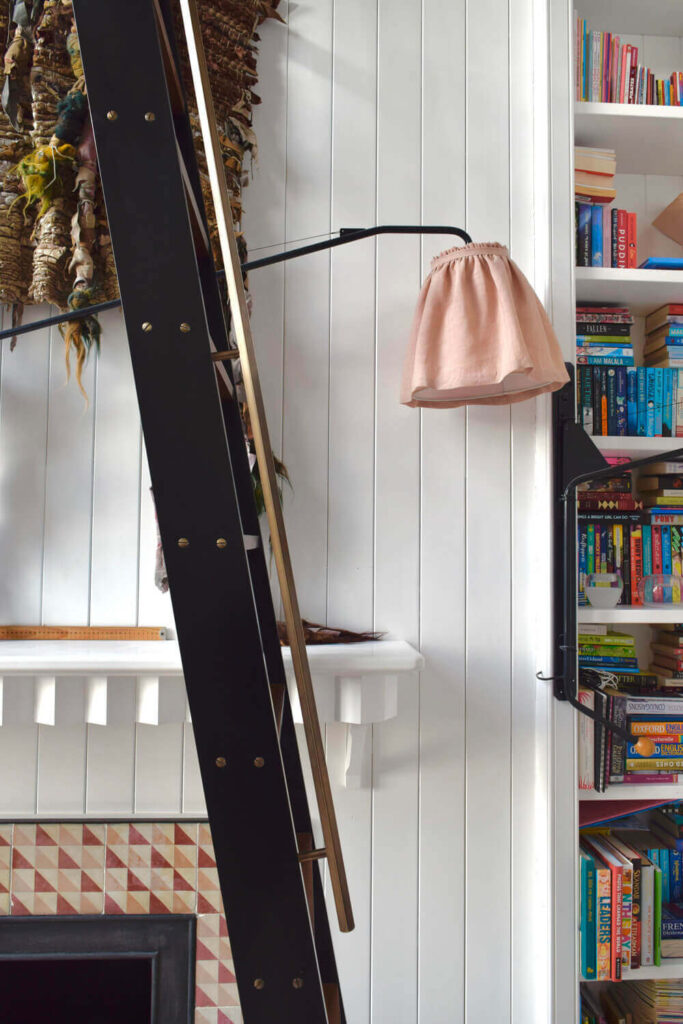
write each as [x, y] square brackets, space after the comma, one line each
[82, 633]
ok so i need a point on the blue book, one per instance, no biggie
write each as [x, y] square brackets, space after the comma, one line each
[583, 241]
[650, 397]
[674, 335]
[666, 877]
[589, 936]
[605, 662]
[647, 549]
[666, 559]
[585, 358]
[621, 401]
[604, 340]
[596, 236]
[667, 404]
[611, 401]
[672, 924]
[675, 867]
[662, 263]
[659, 399]
[641, 398]
[631, 401]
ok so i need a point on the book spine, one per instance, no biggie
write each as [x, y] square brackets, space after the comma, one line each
[606, 236]
[585, 357]
[641, 378]
[617, 907]
[590, 549]
[656, 550]
[650, 392]
[611, 374]
[596, 236]
[658, 400]
[647, 549]
[679, 403]
[658, 748]
[597, 329]
[667, 405]
[586, 738]
[657, 930]
[604, 402]
[636, 916]
[626, 598]
[621, 400]
[614, 238]
[636, 564]
[587, 401]
[595, 66]
[632, 240]
[583, 600]
[640, 726]
[618, 743]
[626, 916]
[632, 401]
[632, 75]
[585, 918]
[603, 924]
[647, 895]
[675, 865]
[622, 240]
[584, 235]
[654, 764]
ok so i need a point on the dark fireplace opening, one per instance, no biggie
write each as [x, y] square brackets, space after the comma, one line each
[73, 989]
[104, 969]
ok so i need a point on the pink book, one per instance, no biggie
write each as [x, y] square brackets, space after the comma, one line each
[614, 71]
[606, 236]
[625, 68]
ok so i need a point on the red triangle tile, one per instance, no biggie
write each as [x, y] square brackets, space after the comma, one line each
[203, 905]
[135, 838]
[19, 909]
[202, 999]
[2, 888]
[225, 975]
[19, 861]
[4, 842]
[223, 926]
[204, 860]
[181, 838]
[224, 1019]
[179, 883]
[90, 839]
[65, 861]
[158, 861]
[63, 907]
[203, 952]
[111, 906]
[41, 884]
[43, 838]
[113, 860]
[134, 884]
[156, 906]
[89, 884]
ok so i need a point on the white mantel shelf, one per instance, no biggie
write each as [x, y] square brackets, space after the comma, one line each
[356, 684]
[125, 658]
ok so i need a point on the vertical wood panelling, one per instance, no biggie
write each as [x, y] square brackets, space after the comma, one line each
[488, 511]
[111, 754]
[116, 483]
[442, 612]
[23, 434]
[18, 750]
[158, 768]
[397, 514]
[307, 298]
[68, 491]
[61, 753]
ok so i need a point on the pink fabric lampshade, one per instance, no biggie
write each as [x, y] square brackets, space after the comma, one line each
[480, 335]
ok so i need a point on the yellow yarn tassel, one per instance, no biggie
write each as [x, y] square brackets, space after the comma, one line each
[41, 172]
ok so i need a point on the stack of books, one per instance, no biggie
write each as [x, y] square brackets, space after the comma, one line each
[664, 337]
[605, 236]
[636, 702]
[647, 1002]
[608, 71]
[661, 490]
[628, 401]
[667, 654]
[608, 494]
[633, 544]
[594, 171]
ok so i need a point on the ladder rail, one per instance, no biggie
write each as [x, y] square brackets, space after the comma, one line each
[266, 463]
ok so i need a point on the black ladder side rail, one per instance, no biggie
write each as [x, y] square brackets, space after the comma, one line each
[576, 460]
[194, 472]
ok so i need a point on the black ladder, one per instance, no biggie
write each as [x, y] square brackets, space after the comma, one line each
[232, 663]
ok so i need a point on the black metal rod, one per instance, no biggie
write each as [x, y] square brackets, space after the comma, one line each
[346, 235]
[353, 235]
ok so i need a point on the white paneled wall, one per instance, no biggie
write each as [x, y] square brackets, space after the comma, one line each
[431, 526]
[425, 525]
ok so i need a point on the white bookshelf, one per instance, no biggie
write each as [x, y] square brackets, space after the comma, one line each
[648, 142]
[642, 290]
[646, 139]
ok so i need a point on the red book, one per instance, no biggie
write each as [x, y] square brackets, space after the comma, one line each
[656, 549]
[633, 75]
[622, 239]
[636, 563]
[631, 240]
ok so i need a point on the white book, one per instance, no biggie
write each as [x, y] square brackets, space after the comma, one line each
[647, 915]
[586, 740]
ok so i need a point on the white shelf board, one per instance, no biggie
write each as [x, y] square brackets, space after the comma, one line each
[646, 139]
[634, 17]
[672, 968]
[641, 290]
[646, 791]
[638, 447]
[630, 616]
[122, 657]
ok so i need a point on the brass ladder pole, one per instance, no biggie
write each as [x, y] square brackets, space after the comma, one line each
[264, 455]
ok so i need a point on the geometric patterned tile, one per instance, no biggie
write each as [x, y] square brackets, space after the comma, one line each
[127, 868]
[5, 867]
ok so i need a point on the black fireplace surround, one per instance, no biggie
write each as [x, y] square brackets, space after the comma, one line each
[135, 969]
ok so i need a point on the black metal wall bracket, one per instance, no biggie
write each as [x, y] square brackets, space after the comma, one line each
[576, 460]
